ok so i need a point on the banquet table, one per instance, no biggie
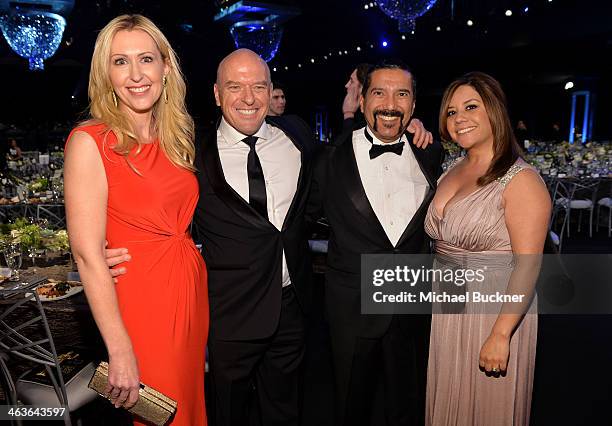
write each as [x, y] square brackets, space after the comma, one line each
[54, 213]
[70, 321]
[73, 329]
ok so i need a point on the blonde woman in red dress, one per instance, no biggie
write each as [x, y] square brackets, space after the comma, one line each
[129, 179]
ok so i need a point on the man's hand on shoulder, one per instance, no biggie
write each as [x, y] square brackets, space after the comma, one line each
[350, 105]
[115, 257]
[422, 137]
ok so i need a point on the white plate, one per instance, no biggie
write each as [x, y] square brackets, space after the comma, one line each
[5, 274]
[73, 290]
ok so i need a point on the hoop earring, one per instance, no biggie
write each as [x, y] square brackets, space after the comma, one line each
[164, 82]
[115, 102]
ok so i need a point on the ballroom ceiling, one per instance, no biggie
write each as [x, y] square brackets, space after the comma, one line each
[538, 50]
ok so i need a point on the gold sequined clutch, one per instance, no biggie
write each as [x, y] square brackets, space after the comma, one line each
[152, 406]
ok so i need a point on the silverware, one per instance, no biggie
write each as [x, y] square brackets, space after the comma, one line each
[7, 291]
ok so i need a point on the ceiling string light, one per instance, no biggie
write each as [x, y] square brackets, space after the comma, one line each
[386, 43]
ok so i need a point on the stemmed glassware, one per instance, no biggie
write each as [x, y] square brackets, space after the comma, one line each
[12, 256]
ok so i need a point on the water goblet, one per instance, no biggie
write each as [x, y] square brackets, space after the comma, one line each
[12, 256]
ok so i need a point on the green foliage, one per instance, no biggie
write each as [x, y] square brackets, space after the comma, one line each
[32, 236]
[29, 236]
[39, 185]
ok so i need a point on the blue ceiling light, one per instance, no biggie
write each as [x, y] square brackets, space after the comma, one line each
[256, 24]
[406, 11]
[186, 27]
[33, 35]
[258, 36]
[34, 29]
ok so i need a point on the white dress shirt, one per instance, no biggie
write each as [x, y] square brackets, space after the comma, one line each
[280, 160]
[394, 184]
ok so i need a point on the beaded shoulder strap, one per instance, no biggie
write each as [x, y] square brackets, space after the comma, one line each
[512, 171]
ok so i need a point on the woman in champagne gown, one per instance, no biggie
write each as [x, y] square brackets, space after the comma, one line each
[489, 207]
[129, 180]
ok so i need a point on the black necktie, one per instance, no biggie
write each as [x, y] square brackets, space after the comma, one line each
[377, 150]
[257, 184]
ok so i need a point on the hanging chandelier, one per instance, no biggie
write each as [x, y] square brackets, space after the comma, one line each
[256, 24]
[259, 36]
[405, 11]
[33, 35]
[34, 28]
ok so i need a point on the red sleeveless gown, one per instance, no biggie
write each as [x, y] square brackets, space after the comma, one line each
[163, 298]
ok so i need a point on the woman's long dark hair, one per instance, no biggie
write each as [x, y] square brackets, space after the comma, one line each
[505, 148]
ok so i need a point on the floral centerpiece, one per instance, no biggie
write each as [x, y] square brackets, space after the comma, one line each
[592, 159]
[453, 151]
[39, 185]
[33, 237]
[56, 240]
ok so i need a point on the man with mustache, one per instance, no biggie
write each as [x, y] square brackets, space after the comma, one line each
[353, 118]
[374, 188]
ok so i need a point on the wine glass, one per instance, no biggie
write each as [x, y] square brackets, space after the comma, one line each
[12, 256]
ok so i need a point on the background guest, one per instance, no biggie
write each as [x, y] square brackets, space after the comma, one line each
[555, 133]
[522, 134]
[278, 102]
[351, 115]
[14, 150]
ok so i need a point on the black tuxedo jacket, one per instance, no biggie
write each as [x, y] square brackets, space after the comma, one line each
[243, 250]
[355, 230]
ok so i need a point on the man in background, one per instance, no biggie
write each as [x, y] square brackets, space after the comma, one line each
[277, 100]
[351, 116]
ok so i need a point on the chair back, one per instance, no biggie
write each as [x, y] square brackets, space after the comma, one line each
[562, 195]
[586, 190]
[25, 334]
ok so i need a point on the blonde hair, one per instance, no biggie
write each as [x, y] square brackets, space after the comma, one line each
[172, 123]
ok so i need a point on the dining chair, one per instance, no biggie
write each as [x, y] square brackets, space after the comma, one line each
[25, 336]
[585, 196]
[563, 192]
[6, 384]
[572, 195]
[605, 202]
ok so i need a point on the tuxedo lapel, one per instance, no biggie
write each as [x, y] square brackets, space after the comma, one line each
[214, 171]
[300, 193]
[421, 157]
[416, 223]
[348, 175]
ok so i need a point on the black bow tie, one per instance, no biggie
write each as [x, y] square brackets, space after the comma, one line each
[377, 150]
